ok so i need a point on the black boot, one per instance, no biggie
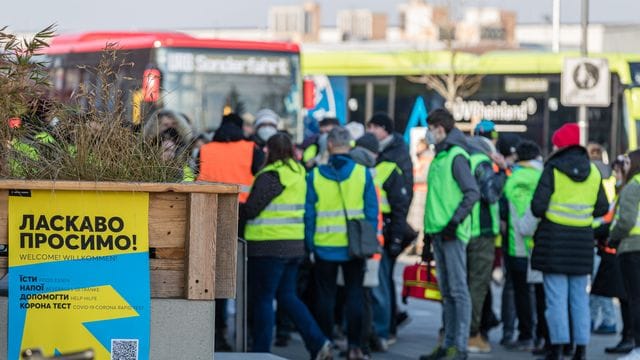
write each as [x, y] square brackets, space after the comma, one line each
[554, 353]
[623, 347]
[581, 353]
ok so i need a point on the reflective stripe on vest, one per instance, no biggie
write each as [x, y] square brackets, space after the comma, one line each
[283, 218]
[444, 195]
[572, 203]
[228, 162]
[331, 226]
[382, 173]
[476, 230]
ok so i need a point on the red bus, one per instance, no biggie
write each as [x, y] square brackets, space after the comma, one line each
[201, 78]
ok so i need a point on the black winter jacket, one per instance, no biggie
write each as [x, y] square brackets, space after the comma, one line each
[561, 249]
[398, 152]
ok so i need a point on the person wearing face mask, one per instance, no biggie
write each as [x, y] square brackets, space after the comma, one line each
[314, 148]
[568, 197]
[265, 126]
[451, 194]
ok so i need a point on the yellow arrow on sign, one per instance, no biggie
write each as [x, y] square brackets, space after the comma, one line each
[53, 323]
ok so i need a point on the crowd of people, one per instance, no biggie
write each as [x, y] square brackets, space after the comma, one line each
[491, 202]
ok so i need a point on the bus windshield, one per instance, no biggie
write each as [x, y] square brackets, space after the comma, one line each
[204, 84]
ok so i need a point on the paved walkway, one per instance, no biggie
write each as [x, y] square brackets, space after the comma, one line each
[420, 336]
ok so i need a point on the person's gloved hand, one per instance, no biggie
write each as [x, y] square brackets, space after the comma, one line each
[395, 247]
[449, 231]
[427, 252]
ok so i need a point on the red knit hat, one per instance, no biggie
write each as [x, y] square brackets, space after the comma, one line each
[567, 135]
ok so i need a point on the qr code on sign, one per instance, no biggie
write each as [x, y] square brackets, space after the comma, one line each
[124, 349]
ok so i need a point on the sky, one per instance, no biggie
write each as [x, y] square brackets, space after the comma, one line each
[83, 15]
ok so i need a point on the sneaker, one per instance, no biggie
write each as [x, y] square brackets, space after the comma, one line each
[437, 354]
[326, 351]
[604, 329]
[379, 344]
[478, 345]
[519, 345]
[402, 319]
[454, 354]
[392, 340]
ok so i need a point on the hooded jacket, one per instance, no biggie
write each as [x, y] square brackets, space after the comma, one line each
[397, 195]
[398, 152]
[561, 249]
[490, 183]
[339, 168]
[462, 174]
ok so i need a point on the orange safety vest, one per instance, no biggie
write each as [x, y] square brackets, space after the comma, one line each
[228, 162]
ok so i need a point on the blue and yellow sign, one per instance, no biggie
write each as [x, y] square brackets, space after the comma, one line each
[79, 273]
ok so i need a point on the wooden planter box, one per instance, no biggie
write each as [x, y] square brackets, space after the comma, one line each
[193, 230]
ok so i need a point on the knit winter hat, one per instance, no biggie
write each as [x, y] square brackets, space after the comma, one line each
[369, 142]
[383, 120]
[266, 116]
[567, 135]
[487, 129]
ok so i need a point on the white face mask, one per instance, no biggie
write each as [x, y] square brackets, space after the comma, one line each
[266, 132]
[435, 136]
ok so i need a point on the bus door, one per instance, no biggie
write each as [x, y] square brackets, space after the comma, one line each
[370, 95]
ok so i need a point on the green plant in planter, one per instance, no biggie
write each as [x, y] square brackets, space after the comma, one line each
[88, 138]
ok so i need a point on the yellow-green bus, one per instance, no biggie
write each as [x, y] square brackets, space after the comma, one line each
[520, 91]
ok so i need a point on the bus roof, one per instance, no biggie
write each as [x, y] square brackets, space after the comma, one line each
[96, 41]
[402, 63]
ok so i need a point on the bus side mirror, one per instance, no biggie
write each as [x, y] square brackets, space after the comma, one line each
[308, 93]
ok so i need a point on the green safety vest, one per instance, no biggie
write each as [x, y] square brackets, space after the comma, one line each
[382, 173]
[310, 152]
[23, 151]
[572, 203]
[444, 195]
[476, 231]
[331, 225]
[519, 190]
[283, 218]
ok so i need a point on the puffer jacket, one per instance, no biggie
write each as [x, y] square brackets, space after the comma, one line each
[561, 249]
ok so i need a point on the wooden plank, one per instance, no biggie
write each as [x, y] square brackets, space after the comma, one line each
[226, 246]
[167, 284]
[169, 253]
[4, 216]
[194, 187]
[4, 264]
[200, 247]
[167, 219]
[165, 264]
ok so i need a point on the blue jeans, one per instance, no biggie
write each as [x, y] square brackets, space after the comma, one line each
[381, 299]
[275, 278]
[451, 269]
[562, 293]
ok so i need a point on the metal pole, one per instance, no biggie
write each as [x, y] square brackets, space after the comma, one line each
[555, 42]
[582, 110]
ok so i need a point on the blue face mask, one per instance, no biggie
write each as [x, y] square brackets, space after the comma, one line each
[431, 139]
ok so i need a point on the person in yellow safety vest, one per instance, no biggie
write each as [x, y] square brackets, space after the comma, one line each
[451, 194]
[274, 216]
[314, 148]
[598, 303]
[229, 158]
[568, 197]
[394, 205]
[625, 237]
[333, 189]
